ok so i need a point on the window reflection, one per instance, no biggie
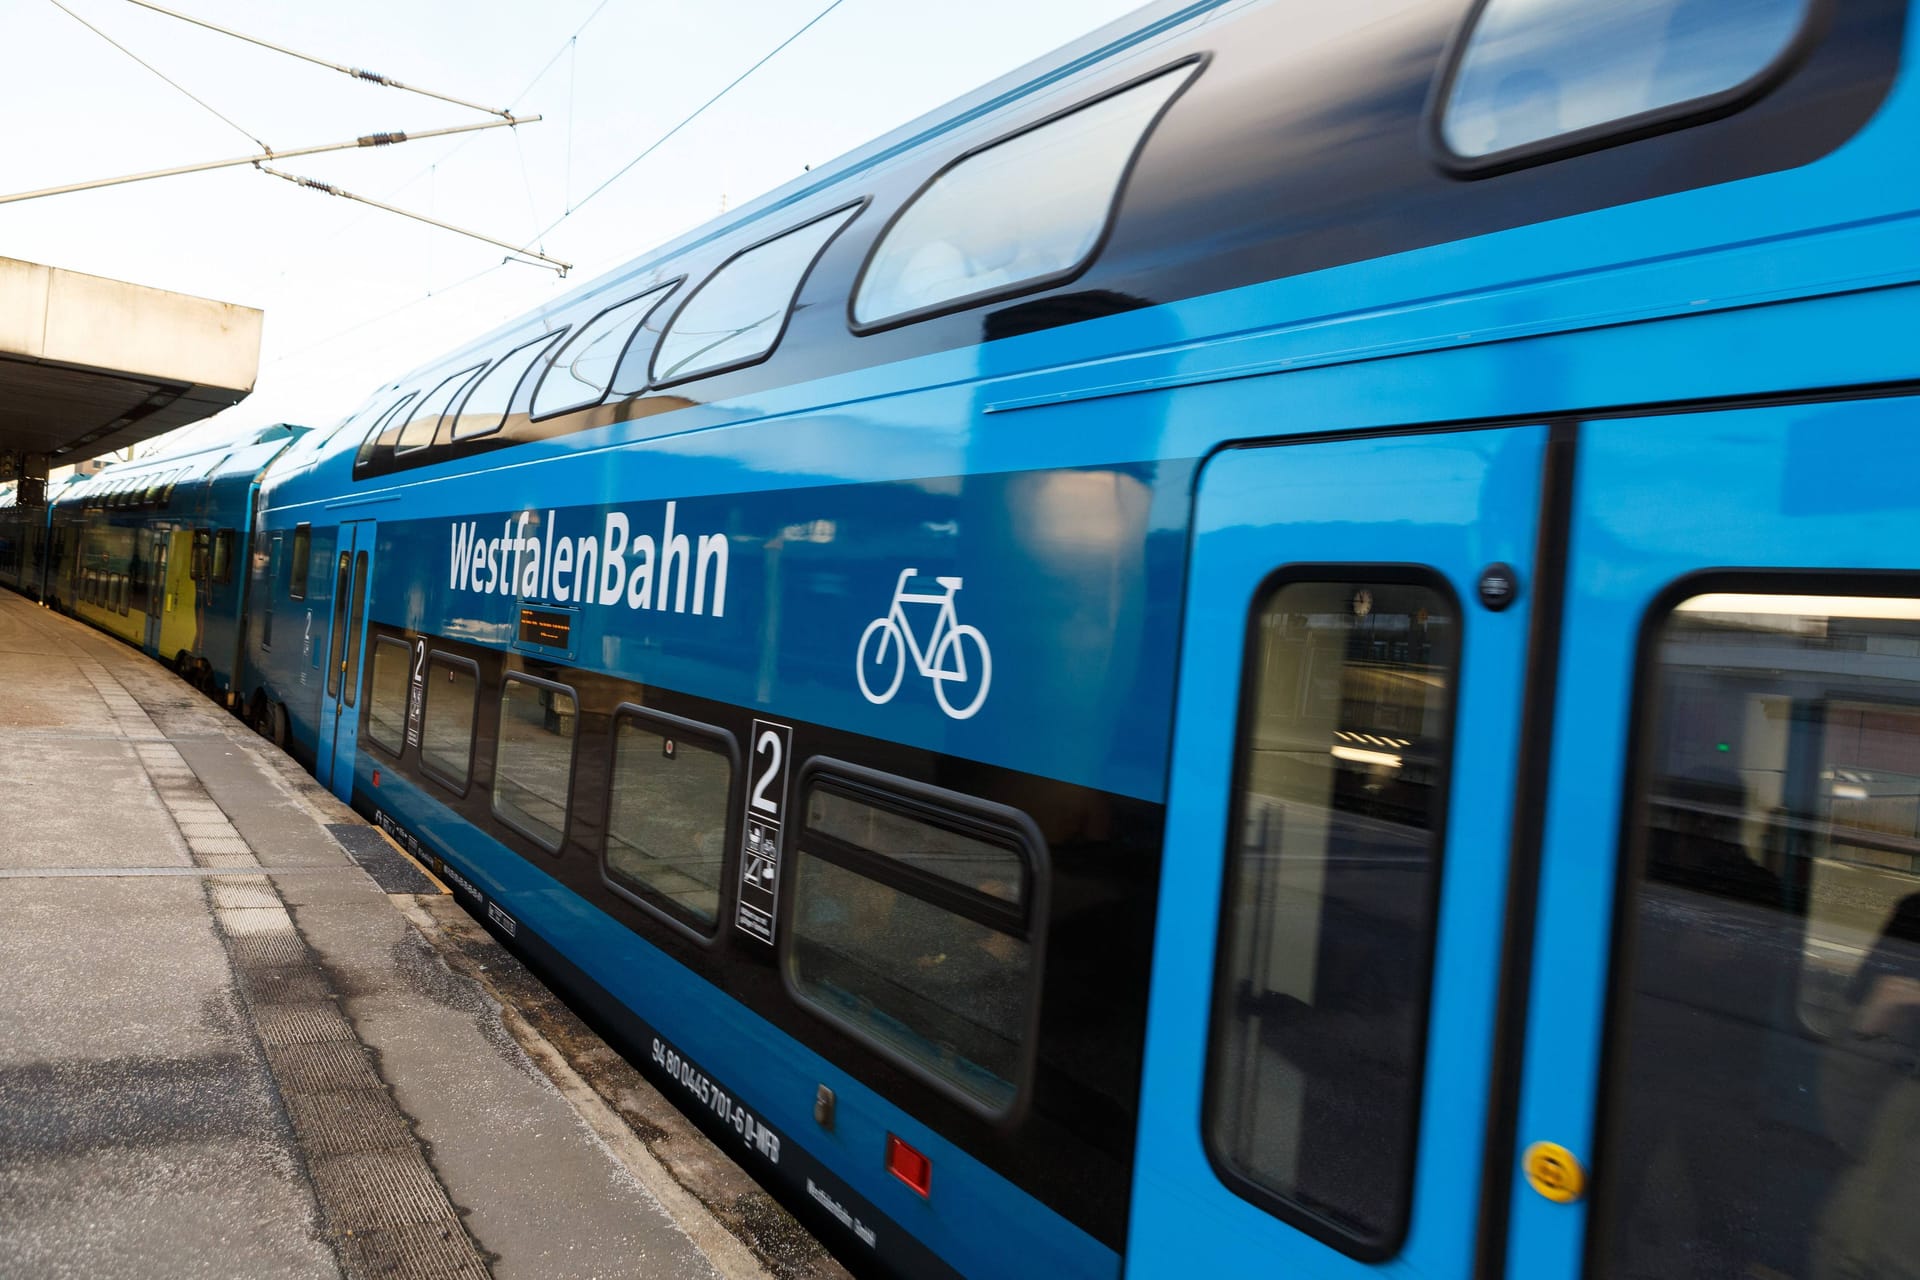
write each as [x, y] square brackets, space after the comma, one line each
[1314, 1073]
[1026, 209]
[1767, 1099]
[1536, 69]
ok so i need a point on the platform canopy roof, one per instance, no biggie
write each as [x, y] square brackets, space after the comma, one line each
[89, 365]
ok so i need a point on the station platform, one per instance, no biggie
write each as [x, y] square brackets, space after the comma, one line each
[242, 1035]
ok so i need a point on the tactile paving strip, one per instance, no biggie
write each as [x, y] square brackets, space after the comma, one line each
[386, 1213]
[283, 1024]
[378, 1189]
[429, 1251]
[321, 1068]
[333, 1124]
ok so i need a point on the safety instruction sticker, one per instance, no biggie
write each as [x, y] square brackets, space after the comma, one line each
[770, 751]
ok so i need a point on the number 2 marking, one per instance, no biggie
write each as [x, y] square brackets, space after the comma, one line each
[769, 742]
[419, 660]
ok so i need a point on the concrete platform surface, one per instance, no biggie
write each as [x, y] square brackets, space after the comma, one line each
[226, 1051]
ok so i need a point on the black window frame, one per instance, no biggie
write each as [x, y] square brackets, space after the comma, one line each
[1612, 1100]
[406, 663]
[1608, 133]
[552, 342]
[680, 728]
[222, 570]
[274, 545]
[466, 379]
[378, 429]
[441, 656]
[666, 292]
[299, 565]
[967, 815]
[1198, 61]
[573, 758]
[851, 208]
[1221, 1003]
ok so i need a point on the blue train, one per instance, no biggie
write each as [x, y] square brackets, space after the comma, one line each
[1286, 643]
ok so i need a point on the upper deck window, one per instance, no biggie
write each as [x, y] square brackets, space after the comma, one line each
[493, 396]
[580, 374]
[1017, 214]
[418, 433]
[739, 313]
[387, 426]
[1532, 71]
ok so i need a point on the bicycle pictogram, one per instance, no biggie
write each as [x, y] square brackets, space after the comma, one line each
[955, 657]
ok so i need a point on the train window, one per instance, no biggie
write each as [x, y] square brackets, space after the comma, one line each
[266, 597]
[446, 722]
[1535, 72]
[356, 627]
[580, 375]
[912, 928]
[337, 647]
[202, 554]
[738, 314]
[387, 693]
[667, 813]
[1327, 918]
[385, 428]
[418, 433]
[223, 557]
[302, 561]
[533, 767]
[965, 237]
[493, 397]
[1763, 1100]
[630, 379]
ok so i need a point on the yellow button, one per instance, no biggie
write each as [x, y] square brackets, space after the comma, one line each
[1554, 1172]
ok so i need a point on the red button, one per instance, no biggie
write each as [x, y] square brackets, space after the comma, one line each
[908, 1165]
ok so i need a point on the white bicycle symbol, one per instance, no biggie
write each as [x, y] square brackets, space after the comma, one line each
[944, 660]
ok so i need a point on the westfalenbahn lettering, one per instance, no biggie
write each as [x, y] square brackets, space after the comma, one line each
[534, 560]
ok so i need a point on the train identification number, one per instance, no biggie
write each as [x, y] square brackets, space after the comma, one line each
[748, 1127]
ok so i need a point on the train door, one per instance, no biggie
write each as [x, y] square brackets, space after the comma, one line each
[159, 591]
[1725, 1015]
[339, 702]
[1327, 955]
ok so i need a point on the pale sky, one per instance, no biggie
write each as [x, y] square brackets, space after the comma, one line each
[355, 297]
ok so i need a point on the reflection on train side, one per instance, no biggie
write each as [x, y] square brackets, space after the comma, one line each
[1765, 1115]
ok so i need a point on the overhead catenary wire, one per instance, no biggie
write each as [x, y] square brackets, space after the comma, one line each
[365, 140]
[695, 114]
[358, 73]
[327, 188]
[226, 119]
[384, 316]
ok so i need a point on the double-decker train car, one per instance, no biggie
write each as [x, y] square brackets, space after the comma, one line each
[151, 551]
[1286, 643]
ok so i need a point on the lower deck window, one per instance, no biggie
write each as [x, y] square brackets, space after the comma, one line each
[1314, 1067]
[1763, 1112]
[534, 769]
[387, 698]
[446, 729]
[913, 928]
[668, 811]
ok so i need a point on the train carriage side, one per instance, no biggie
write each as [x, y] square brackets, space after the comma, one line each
[777, 643]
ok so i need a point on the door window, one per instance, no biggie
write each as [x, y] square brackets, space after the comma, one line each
[1764, 1091]
[1314, 1066]
[355, 627]
[337, 650]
